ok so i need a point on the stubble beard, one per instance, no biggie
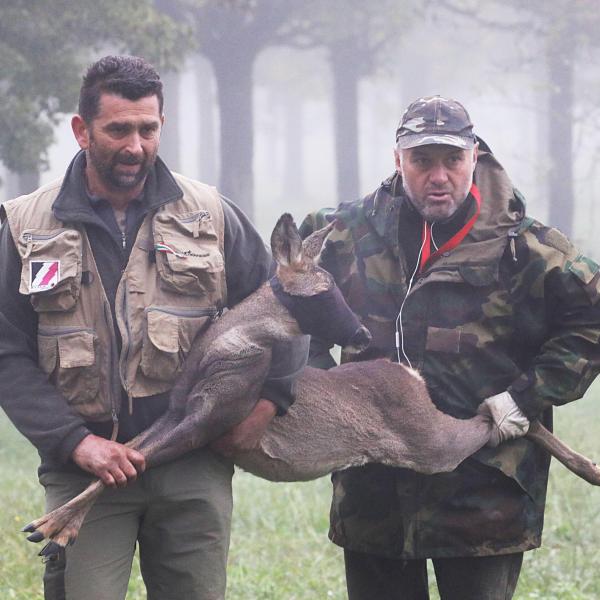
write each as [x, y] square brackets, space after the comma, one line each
[106, 166]
[433, 212]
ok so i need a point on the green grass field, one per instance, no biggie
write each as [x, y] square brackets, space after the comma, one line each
[279, 548]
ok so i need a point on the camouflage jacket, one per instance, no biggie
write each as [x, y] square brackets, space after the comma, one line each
[515, 307]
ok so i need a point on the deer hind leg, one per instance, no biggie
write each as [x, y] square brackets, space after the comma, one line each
[218, 402]
[223, 398]
[61, 526]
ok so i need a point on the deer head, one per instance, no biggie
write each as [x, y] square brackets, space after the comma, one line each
[309, 292]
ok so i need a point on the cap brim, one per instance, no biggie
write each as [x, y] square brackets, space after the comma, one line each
[426, 139]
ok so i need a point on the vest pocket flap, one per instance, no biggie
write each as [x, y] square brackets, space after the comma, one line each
[188, 257]
[76, 350]
[50, 258]
[68, 356]
[195, 224]
[168, 338]
[209, 262]
[163, 331]
[47, 353]
[51, 267]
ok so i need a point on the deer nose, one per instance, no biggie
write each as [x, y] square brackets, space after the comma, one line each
[359, 341]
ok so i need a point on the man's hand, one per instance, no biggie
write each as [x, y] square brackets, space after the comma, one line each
[115, 464]
[509, 420]
[247, 434]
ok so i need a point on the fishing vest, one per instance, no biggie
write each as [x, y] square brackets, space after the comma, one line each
[172, 286]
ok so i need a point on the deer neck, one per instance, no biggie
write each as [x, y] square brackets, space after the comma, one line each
[262, 318]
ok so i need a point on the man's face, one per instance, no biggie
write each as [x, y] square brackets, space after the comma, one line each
[121, 142]
[436, 178]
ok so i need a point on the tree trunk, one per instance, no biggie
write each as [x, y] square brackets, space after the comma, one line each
[346, 77]
[561, 67]
[207, 143]
[294, 184]
[234, 80]
[21, 182]
[169, 139]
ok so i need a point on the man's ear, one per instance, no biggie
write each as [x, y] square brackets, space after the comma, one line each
[397, 160]
[80, 131]
[475, 154]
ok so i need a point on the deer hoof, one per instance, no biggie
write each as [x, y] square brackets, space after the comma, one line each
[36, 536]
[28, 528]
[50, 550]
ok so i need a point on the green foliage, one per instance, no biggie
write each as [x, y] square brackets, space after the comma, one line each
[44, 47]
[279, 547]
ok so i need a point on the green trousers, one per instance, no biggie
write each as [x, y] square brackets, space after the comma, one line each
[178, 513]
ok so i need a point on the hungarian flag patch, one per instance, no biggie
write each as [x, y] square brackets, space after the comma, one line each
[44, 275]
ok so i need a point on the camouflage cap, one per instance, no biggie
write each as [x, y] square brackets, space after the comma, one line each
[435, 120]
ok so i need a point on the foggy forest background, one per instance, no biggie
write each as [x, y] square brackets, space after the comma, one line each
[289, 105]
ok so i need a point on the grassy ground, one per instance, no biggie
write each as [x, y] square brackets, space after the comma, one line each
[279, 547]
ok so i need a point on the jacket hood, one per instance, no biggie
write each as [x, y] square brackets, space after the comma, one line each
[502, 212]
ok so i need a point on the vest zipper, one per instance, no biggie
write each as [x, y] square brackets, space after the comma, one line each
[185, 312]
[123, 240]
[196, 219]
[112, 361]
[47, 330]
[125, 344]
[29, 238]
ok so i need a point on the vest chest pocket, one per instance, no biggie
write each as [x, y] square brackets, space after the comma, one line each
[68, 356]
[188, 258]
[168, 338]
[51, 268]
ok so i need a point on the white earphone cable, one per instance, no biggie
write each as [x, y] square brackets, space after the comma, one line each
[399, 327]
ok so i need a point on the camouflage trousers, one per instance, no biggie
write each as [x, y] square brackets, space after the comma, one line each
[472, 578]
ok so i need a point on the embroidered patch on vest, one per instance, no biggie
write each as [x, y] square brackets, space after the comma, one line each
[43, 275]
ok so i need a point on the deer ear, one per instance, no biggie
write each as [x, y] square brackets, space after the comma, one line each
[286, 243]
[313, 244]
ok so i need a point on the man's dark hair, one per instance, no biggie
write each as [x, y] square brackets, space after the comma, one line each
[130, 77]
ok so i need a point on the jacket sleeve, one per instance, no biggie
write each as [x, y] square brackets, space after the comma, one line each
[568, 358]
[248, 264]
[31, 402]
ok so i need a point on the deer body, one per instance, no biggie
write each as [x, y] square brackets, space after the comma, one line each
[374, 411]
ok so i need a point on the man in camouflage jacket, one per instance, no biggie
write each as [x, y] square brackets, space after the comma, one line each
[490, 306]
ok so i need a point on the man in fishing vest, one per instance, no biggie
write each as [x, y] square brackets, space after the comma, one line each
[106, 277]
[499, 313]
